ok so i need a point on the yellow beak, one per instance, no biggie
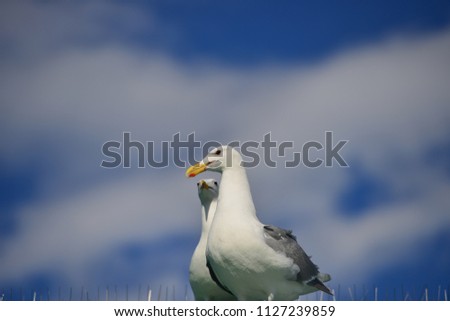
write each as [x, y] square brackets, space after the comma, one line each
[203, 185]
[195, 170]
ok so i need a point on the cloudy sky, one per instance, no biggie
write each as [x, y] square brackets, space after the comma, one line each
[75, 75]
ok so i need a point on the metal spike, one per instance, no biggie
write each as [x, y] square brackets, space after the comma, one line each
[149, 294]
[159, 292]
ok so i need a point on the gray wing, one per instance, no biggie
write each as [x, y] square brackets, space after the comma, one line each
[285, 242]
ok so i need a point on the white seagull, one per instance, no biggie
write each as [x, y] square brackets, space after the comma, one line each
[204, 288]
[252, 260]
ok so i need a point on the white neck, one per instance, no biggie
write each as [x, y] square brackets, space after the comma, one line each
[208, 211]
[235, 198]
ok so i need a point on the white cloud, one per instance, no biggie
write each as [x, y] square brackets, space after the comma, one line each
[76, 229]
[389, 99]
[31, 30]
[383, 237]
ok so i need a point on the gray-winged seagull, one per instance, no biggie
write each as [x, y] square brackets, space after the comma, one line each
[252, 260]
[204, 288]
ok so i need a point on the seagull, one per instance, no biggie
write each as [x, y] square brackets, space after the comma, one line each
[203, 286]
[252, 260]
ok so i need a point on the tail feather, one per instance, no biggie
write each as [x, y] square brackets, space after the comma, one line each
[320, 286]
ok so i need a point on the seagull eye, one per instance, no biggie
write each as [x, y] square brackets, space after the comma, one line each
[198, 184]
[218, 152]
[215, 183]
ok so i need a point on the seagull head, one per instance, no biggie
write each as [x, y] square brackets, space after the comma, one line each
[208, 189]
[218, 159]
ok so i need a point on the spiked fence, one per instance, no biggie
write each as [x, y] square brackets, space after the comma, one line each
[166, 293]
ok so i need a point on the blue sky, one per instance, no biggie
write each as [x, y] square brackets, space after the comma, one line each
[75, 75]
